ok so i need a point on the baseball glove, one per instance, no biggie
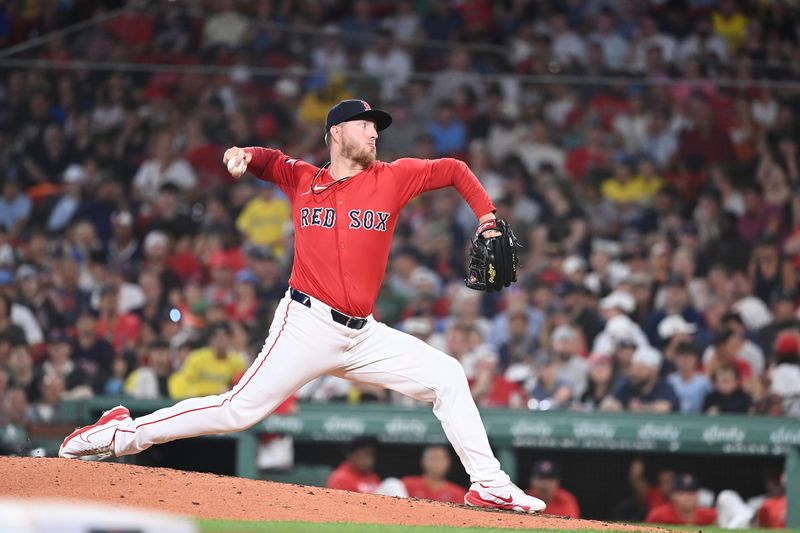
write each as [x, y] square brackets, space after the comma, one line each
[492, 261]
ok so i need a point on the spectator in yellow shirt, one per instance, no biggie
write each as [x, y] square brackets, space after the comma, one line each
[730, 24]
[625, 189]
[208, 370]
[264, 219]
[651, 181]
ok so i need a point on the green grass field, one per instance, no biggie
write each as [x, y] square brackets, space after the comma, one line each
[236, 526]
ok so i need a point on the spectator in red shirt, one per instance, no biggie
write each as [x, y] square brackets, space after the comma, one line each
[356, 472]
[433, 484]
[682, 507]
[592, 155]
[772, 513]
[546, 485]
[492, 389]
[120, 329]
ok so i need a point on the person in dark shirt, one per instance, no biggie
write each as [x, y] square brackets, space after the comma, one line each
[91, 353]
[727, 396]
[644, 390]
[169, 215]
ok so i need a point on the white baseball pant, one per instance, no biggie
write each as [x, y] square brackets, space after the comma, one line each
[305, 343]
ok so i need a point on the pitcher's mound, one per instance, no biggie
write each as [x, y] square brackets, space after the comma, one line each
[213, 496]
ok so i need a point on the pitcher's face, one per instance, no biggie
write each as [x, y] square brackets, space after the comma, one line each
[358, 141]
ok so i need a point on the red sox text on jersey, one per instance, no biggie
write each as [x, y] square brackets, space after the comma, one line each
[326, 217]
[343, 230]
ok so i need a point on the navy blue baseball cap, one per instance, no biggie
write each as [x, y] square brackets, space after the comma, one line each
[348, 110]
[545, 470]
[684, 483]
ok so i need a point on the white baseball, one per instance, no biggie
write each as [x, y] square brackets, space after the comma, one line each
[237, 166]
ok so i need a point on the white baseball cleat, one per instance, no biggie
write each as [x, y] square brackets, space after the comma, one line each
[506, 497]
[96, 439]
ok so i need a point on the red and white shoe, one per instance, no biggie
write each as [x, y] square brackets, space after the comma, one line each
[97, 439]
[507, 497]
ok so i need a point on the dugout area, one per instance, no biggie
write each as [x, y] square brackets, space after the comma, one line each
[593, 450]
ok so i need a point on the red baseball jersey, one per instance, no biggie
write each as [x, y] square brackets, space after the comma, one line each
[563, 503]
[346, 477]
[772, 513]
[343, 230]
[417, 487]
[667, 514]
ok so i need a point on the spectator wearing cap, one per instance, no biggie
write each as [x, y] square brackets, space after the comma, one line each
[207, 370]
[688, 382]
[566, 346]
[727, 395]
[644, 390]
[545, 484]
[433, 484]
[357, 472]
[91, 352]
[264, 218]
[673, 331]
[151, 379]
[683, 507]
[615, 309]
[784, 377]
[600, 383]
[672, 299]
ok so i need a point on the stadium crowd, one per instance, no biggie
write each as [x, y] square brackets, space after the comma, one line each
[646, 153]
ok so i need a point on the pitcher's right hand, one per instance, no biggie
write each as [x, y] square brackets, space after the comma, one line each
[236, 159]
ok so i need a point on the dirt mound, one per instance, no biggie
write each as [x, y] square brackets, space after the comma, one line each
[213, 496]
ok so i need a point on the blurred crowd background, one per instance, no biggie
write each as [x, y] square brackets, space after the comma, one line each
[645, 152]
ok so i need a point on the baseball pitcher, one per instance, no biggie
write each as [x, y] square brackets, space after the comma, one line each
[344, 215]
